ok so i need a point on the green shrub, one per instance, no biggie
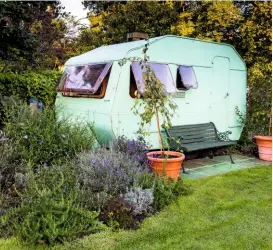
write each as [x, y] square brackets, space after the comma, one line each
[165, 191]
[24, 86]
[117, 214]
[41, 138]
[41, 85]
[12, 172]
[257, 120]
[259, 106]
[49, 211]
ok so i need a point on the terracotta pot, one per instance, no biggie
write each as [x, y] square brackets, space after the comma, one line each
[265, 147]
[170, 167]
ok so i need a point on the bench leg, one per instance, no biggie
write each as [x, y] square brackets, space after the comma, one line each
[211, 154]
[183, 169]
[230, 156]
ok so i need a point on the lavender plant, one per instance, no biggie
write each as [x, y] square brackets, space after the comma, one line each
[108, 171]
[137, 149]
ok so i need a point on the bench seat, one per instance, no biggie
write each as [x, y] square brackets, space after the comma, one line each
[190, 138]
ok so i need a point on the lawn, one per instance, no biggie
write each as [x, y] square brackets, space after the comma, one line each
[231, 211]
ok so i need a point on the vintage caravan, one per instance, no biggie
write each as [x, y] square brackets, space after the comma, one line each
[206, 80]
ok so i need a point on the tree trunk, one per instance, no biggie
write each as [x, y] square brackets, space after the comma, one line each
[158, 130]
[270, 124]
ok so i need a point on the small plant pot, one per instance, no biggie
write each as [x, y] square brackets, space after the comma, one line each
[265, 147]
[169, 166]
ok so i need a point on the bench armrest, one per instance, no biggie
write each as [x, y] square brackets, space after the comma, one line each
[224, 136]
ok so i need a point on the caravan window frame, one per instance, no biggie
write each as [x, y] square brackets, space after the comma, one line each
[179, 79]
[102, 82]
[133, 81]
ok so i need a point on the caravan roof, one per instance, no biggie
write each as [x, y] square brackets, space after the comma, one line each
[199, 50]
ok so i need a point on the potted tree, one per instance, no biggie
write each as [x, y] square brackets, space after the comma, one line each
[155, 102]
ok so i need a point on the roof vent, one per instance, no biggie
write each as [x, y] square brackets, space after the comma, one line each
[135, 36]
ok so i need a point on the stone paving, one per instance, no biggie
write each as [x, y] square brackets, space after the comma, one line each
[200, 168]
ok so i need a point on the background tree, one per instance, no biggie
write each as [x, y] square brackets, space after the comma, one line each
[17, 40]
[110, 22]
[28, 33]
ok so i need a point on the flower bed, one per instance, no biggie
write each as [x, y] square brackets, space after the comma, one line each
[55, 187]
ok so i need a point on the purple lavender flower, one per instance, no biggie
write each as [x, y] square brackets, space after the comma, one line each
[4, 139]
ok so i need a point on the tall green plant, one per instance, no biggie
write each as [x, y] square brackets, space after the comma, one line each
[154, 102]
[50, 211]
[44, 138]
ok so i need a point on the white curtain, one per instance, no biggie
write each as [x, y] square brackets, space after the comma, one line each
[161, 71]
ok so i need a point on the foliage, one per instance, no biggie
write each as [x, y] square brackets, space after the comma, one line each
[136, 149]
[116, 19]
[21, 43]
[209, 20]
[105, 173]
[12, 173]
[9, 164]
[260, 97]
[49, 212]
[140, 200]
[215, 216]
[117, 214]
[256, 32]
[41, 85]
[57, 40]
[43, 138]
[164, 190]
[258, 119]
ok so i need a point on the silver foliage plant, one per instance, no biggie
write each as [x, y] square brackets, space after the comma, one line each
[140, 200]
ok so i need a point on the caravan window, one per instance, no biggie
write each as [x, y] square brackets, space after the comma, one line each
[186, 78]
[161, 71]
[88, 80]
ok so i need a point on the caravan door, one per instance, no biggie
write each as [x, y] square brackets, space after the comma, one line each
[219, 94]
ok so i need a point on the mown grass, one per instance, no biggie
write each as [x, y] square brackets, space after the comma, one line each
[231, 211]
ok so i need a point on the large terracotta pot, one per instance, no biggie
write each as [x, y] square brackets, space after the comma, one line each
[265, 147]
[170, 167]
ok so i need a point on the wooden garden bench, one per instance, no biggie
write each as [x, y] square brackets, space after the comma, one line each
[196, 137]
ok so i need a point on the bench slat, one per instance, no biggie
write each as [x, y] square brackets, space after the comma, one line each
[194, 125]
[198, 146]
[191, 129]
[200, 139]
[192, 134]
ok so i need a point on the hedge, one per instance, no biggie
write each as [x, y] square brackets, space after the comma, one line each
[24, 86]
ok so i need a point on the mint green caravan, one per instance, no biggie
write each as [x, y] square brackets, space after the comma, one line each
[206, 80]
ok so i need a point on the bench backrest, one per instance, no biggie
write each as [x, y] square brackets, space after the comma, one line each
[188, 134]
